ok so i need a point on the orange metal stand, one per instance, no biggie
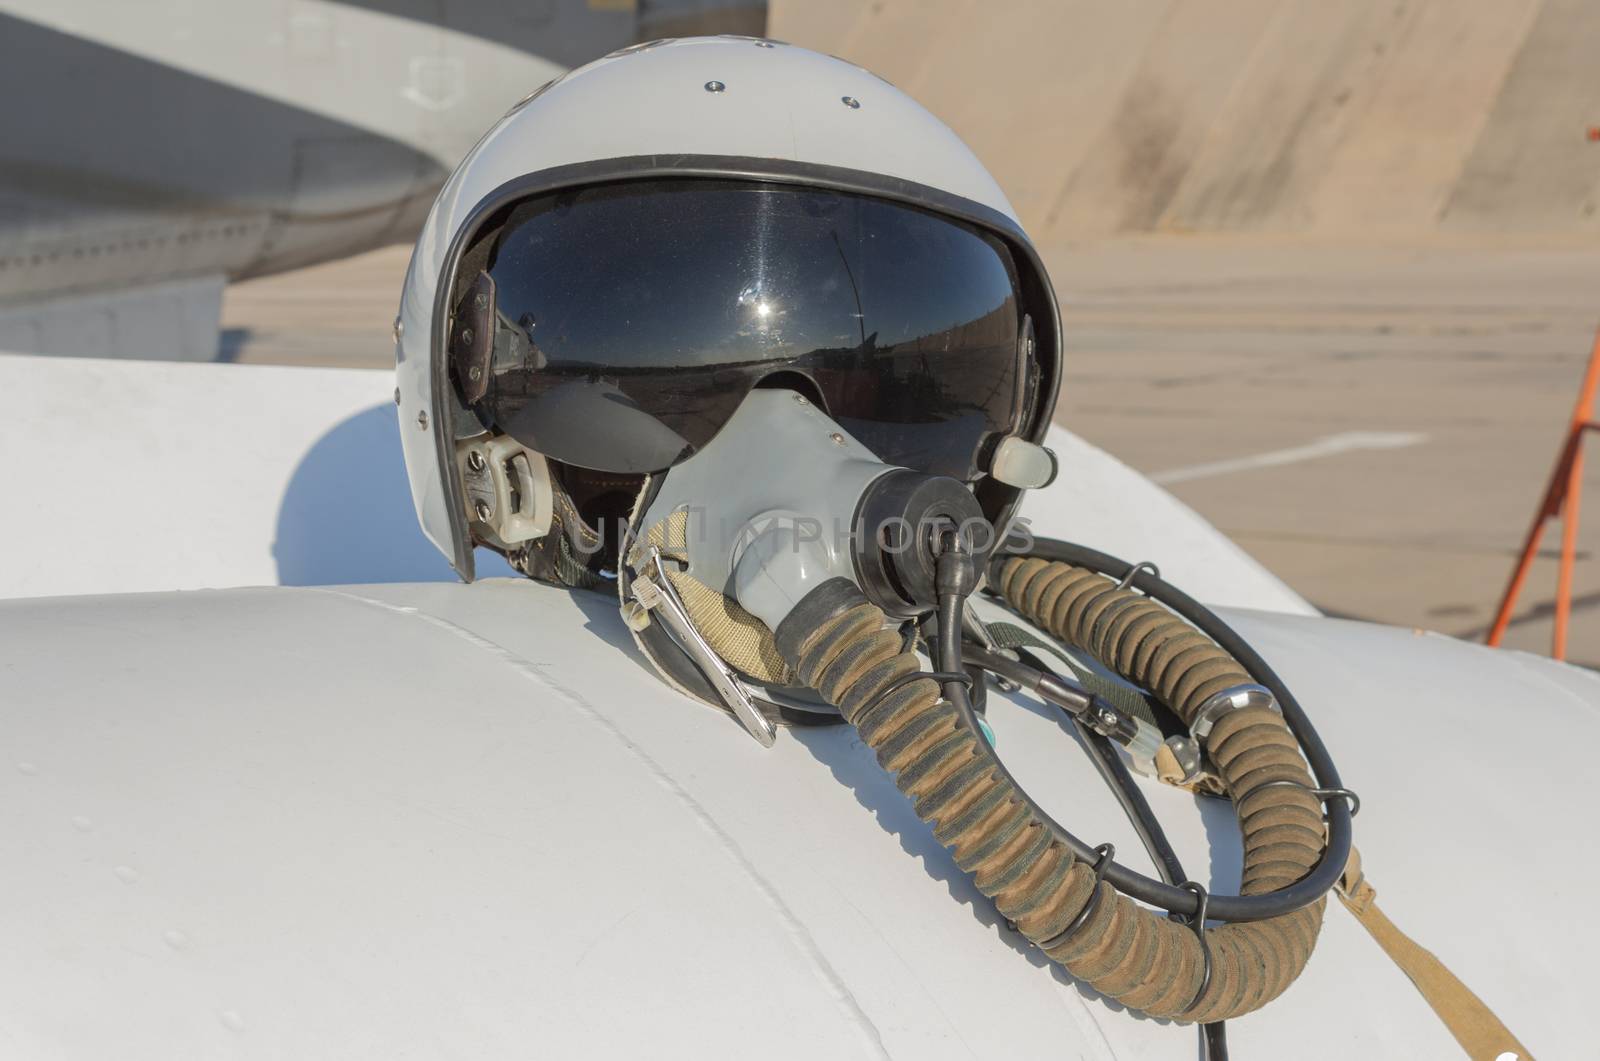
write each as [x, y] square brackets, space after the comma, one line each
[1561, 498]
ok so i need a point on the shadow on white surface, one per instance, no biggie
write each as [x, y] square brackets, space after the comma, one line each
[346, 516]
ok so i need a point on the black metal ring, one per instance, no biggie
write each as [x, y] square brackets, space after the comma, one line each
[1198, 923]
[1323, 794]
[1107, 853]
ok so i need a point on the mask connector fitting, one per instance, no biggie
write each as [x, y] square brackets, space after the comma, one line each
[899, 525]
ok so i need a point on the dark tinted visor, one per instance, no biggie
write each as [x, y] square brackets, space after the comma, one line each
[630, 320]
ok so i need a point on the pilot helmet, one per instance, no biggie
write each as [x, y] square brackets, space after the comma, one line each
[707, 287]
[641, 244]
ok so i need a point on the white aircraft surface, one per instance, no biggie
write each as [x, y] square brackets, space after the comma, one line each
[274, 786]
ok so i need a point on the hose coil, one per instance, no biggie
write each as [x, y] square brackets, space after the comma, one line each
[1146, 962]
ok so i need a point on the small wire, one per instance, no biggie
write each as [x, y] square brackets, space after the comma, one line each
[1107, 853]
[1198, 923]
[942, 677]
[1323, 794]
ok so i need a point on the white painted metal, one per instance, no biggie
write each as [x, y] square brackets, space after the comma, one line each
[1098, 501]
[775, 102]
[341, 122]
[236, 475]
[127, 476]
[401, 77]
[175, 319]
[469, 821]
[383, 72]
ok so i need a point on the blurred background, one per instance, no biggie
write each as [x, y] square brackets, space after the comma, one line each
[1331, 271]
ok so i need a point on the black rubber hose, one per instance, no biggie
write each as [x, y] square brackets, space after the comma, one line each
[947, 649]
[1336, 851]
[841, 645]
[1207, 621]
[1107, 762]
[1134, 805]
[1214, 1041]
[1026, 671]
[1214, 1036]
[1027, 674]
[1129, 882]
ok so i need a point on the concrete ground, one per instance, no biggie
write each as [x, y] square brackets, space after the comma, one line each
[1339, 120]
[1374, 425]
[1416, 400]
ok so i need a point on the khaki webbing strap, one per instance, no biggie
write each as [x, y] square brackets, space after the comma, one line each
[742, 640]
[1476, 1028]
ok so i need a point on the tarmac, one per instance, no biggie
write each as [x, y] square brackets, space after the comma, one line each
[1374, 424]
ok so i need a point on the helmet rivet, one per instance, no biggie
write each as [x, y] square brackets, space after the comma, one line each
[481, 301]
[851, 102]
[466, 335]
[475, 460]
[399, 329]
[838, 439]
[397, 395]
[801, 398]
[763, 44]
[422, 420]
[475, 373]
[481, 507]
[715, 86]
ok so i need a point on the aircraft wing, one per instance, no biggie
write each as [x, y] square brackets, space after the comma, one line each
[443, 820]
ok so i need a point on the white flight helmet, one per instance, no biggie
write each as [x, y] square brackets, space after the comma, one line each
[638, 146]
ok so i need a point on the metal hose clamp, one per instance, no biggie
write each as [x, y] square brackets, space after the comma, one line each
[1233, 698]
[1198, 923]
[1107, 853]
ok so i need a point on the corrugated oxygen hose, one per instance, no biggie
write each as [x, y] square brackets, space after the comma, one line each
[1125, 951]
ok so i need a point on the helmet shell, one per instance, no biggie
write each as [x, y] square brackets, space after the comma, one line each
[711, 106]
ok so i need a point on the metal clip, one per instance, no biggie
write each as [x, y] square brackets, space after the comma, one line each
[1133, 573]
[655, 593]
[1232, 698]
[1323, 794]
[974, 625]
[1198, 923]
[1108, 854]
